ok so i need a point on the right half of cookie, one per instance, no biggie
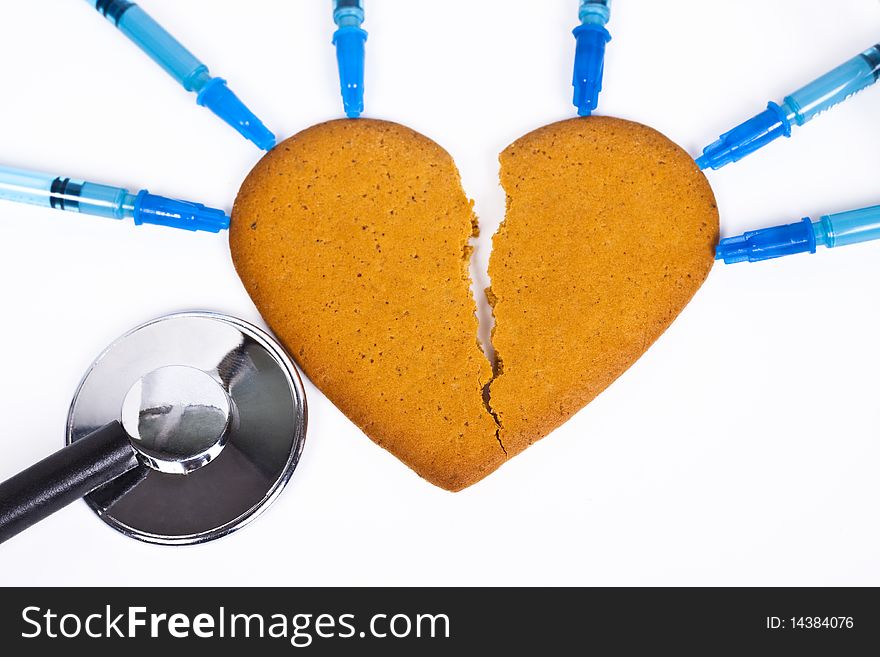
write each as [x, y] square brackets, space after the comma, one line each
[609, 231]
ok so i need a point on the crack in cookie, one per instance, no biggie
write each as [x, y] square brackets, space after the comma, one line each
[352, 238]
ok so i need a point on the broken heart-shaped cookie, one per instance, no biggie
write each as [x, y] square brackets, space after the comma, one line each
[352, 238]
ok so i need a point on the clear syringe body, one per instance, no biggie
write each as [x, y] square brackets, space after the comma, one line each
[594, 11]
[834, 87]
[852, 227]
[154, 40]
[348, 13]
[62, 193]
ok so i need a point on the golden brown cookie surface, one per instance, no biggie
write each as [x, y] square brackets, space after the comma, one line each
[351, 238]
[609, 231]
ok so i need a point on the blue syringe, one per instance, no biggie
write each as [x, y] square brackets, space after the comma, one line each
[796, 109]
[589, 56]
[349, 40]
[62, 193]
[804, 236]
[184, 67]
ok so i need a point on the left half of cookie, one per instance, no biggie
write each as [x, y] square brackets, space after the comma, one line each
[352, 239]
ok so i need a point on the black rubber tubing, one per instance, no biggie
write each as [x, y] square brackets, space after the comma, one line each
[64, 477]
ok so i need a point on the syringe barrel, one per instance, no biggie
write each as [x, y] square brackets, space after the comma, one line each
[154, 40]
[595, 12]
[63, 193]
[834, 87]
[106, 201]
[348, 13]
[852, 227]
[30, 187]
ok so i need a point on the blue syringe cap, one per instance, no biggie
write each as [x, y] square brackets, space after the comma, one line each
[767, 243]
[350, 54]
[154, 209]
[746, 138]
[589, 66]
[220, 99]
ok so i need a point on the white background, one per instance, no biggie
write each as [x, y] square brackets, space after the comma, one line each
[741, 449]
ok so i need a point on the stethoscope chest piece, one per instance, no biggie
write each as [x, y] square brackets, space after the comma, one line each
[216, 415]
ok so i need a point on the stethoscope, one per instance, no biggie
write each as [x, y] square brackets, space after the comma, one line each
[182, 431]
